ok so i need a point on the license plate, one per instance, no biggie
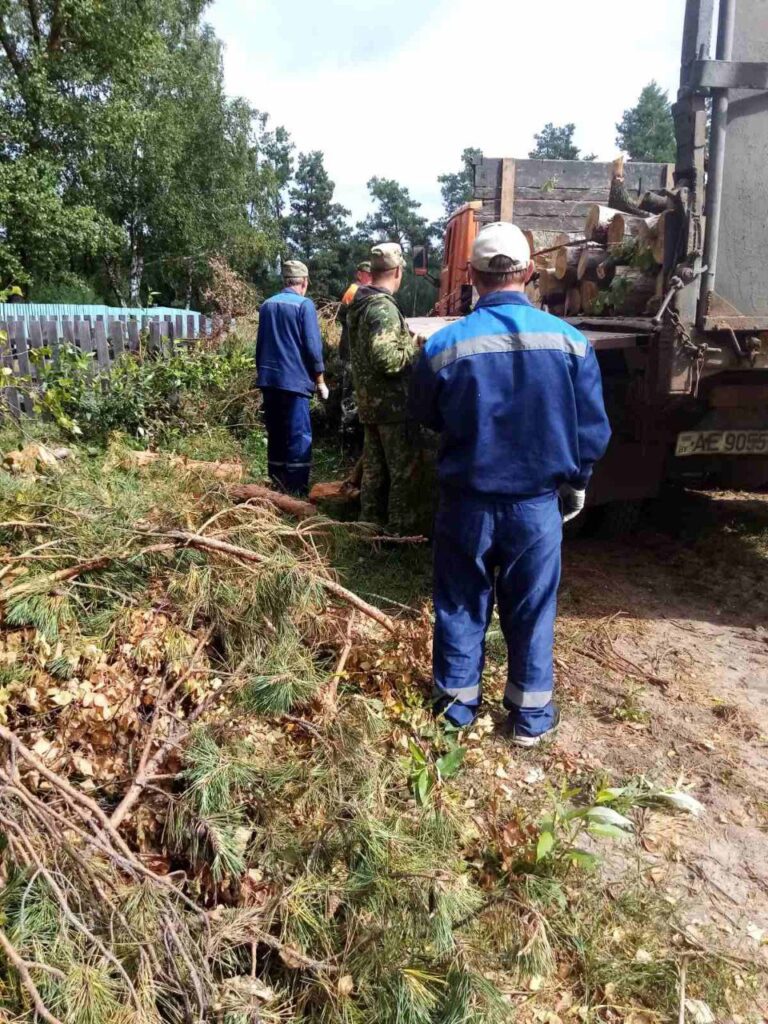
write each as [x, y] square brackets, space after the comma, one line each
[722, 442]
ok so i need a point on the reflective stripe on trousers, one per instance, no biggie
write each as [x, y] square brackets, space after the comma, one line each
[508, 551]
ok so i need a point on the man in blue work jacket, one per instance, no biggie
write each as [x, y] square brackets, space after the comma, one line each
[517, 397]
[289, 361]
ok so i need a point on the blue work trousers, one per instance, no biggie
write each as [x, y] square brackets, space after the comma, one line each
[289, 439]
[510, 550]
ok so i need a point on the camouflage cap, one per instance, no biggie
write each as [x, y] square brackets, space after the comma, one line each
[294, 268]
[365, 266]
[387, 256]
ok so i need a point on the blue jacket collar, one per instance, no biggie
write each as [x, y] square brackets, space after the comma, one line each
[502, 298]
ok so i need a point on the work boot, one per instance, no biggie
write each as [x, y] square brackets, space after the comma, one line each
[519, 739]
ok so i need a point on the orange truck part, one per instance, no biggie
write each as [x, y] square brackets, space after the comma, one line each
[460, 234]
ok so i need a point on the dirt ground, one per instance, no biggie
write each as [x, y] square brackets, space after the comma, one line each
[663, 672]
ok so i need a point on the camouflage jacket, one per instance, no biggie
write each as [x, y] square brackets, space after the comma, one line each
[382, 350]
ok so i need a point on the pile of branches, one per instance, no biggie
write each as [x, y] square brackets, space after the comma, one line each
[201, 819]
[221, 798]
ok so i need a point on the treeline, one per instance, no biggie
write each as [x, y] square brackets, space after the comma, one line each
[125, 168]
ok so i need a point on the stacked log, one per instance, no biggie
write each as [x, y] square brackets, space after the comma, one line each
[652, 235]
[590, 259]
[567, 264]
[620, 259]
[544, 244]
[552, 292]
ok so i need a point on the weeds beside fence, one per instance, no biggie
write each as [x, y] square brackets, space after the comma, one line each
[28, 345]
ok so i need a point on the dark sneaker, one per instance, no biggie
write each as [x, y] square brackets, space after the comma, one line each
[518, 739]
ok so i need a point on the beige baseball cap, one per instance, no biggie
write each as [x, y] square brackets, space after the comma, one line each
[387, 256]
[500, 239]
[294, 268]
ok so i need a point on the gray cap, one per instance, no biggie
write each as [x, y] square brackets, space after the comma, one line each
[365, 266]
[387, 256]
[294, 268]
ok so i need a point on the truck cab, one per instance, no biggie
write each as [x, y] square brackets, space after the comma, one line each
[685, 364]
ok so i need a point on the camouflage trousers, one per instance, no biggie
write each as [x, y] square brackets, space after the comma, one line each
[398, 486]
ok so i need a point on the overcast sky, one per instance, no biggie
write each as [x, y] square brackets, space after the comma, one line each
[398, 88]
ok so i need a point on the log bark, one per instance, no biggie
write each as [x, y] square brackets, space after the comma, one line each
[573, 301]
[567, 264]
[623, 226]
[598, 220]
[589, 293]
[589, 261]
[655, 202]
[285, 503]
[652, 235]
[619, 198]
[633, 290]
[551, 291]
[605, 271]
[543, 240]
[220, 470]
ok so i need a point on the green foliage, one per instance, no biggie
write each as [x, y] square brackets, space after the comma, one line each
[456, 189]
[647, 130]
[557, 844]
[317, 229]
[142, 396]
[555, 142]
[395, 218]
[125, 163]
[425, 772]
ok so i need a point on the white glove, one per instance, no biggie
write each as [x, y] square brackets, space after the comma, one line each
[572, 501]
[323, 391]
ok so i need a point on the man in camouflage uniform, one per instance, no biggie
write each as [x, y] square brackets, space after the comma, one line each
[382, 349]
[349, 417]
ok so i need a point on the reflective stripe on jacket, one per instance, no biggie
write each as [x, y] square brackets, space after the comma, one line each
[517, 397]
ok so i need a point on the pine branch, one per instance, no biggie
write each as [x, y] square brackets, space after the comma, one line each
[22, 968]
[194, 540]
[176, 734]
[42, 585]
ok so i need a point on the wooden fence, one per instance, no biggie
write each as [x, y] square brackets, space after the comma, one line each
[107, 339]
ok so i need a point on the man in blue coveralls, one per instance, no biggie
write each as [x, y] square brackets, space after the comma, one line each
[517, 397]
[289, 361]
